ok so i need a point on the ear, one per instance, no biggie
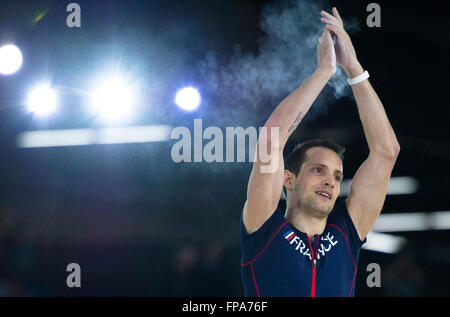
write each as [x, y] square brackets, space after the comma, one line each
[289, 180]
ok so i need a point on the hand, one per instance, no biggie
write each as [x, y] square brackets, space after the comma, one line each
[345, 52]
[326, 57]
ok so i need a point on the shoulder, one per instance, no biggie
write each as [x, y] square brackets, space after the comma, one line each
[277, 218]
[253, 244]
[340, 218]
[339, 210]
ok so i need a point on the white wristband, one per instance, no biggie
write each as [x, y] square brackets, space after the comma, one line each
[358, 79]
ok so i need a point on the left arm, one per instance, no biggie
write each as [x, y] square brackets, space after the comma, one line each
[369, 186]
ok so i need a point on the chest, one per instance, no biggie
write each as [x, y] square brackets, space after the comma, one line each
[329, 250]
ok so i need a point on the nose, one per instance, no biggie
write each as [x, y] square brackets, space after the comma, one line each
[331, 182]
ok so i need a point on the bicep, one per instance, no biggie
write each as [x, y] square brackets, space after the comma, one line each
[264, 191]
[368, 192]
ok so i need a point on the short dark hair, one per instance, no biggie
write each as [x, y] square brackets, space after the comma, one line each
[293, 162]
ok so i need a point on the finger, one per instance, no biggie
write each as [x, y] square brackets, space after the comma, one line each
[337, 15]
[332, 22]
[329, 16]
[336, 30]
[323, 33]
[326, 35]
[323, 37]
[339, 32]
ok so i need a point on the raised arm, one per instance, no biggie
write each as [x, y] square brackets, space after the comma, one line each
[265, 184]
[369, 186]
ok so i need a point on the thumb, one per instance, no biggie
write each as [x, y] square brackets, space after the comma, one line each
[322, 35]
[333, 58]
[326, 36]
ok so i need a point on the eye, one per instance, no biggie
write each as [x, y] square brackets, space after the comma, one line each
[317, 169]
[338, 178]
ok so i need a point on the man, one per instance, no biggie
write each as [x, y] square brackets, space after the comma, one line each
[312, 249]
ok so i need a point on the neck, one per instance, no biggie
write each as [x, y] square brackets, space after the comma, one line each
[307, 221]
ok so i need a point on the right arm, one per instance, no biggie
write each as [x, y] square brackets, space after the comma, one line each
[264, 189]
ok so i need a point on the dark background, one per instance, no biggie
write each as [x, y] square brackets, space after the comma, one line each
[141, 225]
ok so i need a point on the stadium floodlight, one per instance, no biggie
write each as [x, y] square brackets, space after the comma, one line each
[42, 100]
[79, 137]
[401, 185]
[188, 99]
[413, 221]
[10, 59]
[113, 100]
[385, 243]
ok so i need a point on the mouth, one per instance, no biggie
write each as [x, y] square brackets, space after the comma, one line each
[323, 194]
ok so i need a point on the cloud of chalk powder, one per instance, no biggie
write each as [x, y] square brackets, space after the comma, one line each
[286, 57]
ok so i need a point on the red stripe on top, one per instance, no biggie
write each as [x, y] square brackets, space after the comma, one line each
[349, 252]
[290, 238]
[270, 241]
[254, 280]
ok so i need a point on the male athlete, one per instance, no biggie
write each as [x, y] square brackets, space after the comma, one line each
[312, 248]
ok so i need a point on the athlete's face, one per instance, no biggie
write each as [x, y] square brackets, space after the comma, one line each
[317, 184]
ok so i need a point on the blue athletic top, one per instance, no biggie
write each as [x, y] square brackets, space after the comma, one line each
[279, 260]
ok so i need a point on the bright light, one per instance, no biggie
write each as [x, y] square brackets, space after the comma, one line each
[42, 100]
[188, 99]
[113, 101]
[403, 185]
[77, 137]
[10, 59]
[414, 221]
[386, 243]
